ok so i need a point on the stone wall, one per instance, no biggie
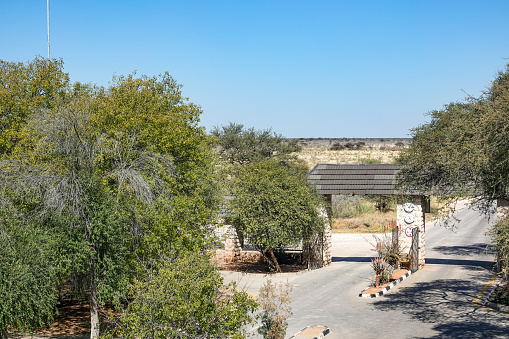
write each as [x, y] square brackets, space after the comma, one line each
[327, 245]
[231, 250]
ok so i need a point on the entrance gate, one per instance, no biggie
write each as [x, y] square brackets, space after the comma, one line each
[378, 179]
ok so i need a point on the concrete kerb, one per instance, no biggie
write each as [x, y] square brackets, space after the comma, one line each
[312, 332]
[482, 298]
[385, 289]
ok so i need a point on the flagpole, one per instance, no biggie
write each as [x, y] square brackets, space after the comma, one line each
[47, 11]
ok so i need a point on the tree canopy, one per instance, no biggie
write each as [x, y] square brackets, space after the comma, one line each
[107, 182]
[463, 150]
[238, 145]
[24, 88]
[274, 206]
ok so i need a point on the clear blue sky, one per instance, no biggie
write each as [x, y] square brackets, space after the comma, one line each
[304, 68]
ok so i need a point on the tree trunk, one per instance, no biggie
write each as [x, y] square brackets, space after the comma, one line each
[94, 312]
[274, 260]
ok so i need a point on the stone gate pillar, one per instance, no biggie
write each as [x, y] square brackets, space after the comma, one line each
[410, 219]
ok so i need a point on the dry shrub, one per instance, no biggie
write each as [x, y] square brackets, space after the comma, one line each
[373, 222]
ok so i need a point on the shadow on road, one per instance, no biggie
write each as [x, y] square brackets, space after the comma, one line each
[479, 248]
[448, 304]
[351, 259]
[488, 264]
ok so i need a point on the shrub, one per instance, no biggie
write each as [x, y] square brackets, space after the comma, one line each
[337, 147]
[274, 301]
[346, 206]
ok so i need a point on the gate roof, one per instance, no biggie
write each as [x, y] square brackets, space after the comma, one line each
[363, 179]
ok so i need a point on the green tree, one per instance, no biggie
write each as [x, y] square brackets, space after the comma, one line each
[120, 178]
[24, 88]
[28, 276]
[462, 152]
[274, 206]
[164, 122]
[85, 181]
[237, 145]
[184, 297]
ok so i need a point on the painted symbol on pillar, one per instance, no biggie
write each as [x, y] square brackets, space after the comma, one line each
[408, 207]
[409, 218]
[409, 231]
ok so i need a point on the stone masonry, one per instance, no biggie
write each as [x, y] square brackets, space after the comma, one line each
[410, 219]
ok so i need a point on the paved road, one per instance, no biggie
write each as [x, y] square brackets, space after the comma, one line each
[435, 302]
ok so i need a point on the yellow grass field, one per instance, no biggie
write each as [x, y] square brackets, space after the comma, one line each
[314, 156]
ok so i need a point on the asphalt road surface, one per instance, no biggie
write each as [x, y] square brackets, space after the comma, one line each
[435, 302]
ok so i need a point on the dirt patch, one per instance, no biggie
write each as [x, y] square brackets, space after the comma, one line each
[72, 320]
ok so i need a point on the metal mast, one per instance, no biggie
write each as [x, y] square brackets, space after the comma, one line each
[47, 10]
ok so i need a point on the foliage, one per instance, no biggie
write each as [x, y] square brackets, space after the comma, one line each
[25, 88]
[500, 234]
[350, 206]
[383, 270]
[388, 248]
[463, 150]
[88, 183]
[184, 298]
[164, 122]
[346, 206]
[237, 145]
[337, 146]
[28, 276]
[369, 160]
[274, 300]
[274, 206]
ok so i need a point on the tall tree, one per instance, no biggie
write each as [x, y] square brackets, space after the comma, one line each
[25, 88]
[463, 152]
[238, 145]
[83, 178]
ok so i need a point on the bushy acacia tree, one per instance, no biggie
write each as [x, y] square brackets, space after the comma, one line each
[81, 178]
[28, 276]
[238, 145]
[463, 152]
[274, 206]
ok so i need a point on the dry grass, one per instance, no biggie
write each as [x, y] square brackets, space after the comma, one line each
[314, 156]
[373, 222]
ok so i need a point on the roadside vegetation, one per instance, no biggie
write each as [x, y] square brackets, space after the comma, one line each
[272, 204]
[463, 152]
[105, 195]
